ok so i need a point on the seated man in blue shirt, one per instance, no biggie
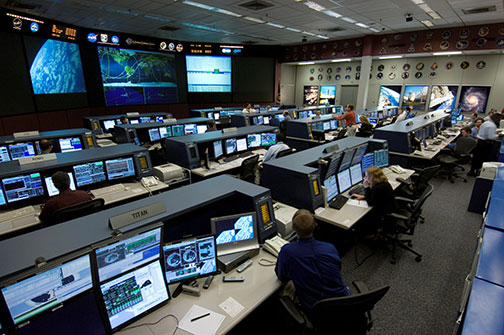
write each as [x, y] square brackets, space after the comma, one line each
[313, 266]
[275, 149]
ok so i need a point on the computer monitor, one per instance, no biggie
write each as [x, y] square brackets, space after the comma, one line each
[327, 125]
[165, 132]
[145, 119]
[268, 139]
[260, 120]
[344, 181]
[332, 165]
[2, 198]
[303, 115]
[235, 233]
[230, 146]
[123, 254]
[89, 173]
[133, 121]
[217, 147]
[178, 130]
[241, 144]
[356, 173]
[332, 188]
[20, 150]
[190, 259]
[334, 124]
[159, 119]
[359, 153]
[190, 129]
[135, 293]
[120, 168]
[367, 161]
[266, 120]
[108, 124]
[23, 187]
[373, 121]
[346, 161]
[154, 134]
[4, 154]
[280, 117]
[216, 116]
[381, 158]
[52, 190]
[70, 144]
[254, 140]
[201, 128]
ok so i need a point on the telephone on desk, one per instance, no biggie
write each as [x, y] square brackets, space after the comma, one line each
[396, 169]
[274, 244]
[441, 137]
[149, 181]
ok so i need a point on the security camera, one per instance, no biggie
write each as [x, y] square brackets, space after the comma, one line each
[408, 17]
[304, 40]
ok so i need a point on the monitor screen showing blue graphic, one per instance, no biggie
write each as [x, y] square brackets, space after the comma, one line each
[4, 154]
[127, 254]
[389, 96]
[190, 259]
[46, 290]
[23, 187]
[154, 134]
[133, 77]
[327, 95]
[70, 144]
[2, 198]
[332, 188]
[268, 139]
[90, 173]
[108, 124]
[381, 158]
[230, 146]
[217, 147]
[327, 125]
[145, 119]
[120, 168]
[334, 124]
[347, 159]
[208, 73]
[356, 173]
[254, 140]
[165, 132]
[52, 190]
[190, 129]
[234, 229]
[134, 294]
[178, 130]
[359, 153]
[20, 150]
[367, 161]
[344, 181]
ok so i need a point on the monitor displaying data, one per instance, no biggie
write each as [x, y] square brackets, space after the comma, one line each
[154, 134]
[381, 158]
[52, 190]
[217, 147]
[165, 132]
[344, 181]
[145, 119]
[201, 129]
[332, 166]
[356, 173]
[367, 161]
[208, 73]
[178, 130]
[190, 129]
[254, 140]
[46, 290]
[23, 187]
[108, 124]
[347, 159]
[120, 168]
[359, 153]
[89, 173]
[2, 198]
[134, 121]
[327, 126]
[234, 229]
[332, 188]
[4, 154]
[241, 144]
[190, 259]
[70, 144]
[20, 150]
[125, 255]
[230, 146]
[334, 124]
[268, 139]
[133, 294]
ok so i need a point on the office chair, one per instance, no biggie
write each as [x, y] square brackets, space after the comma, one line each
[342, 315]
[341, 134]
[248, 169]
[414, 187]
[283, 153]
[318, 135]
[403, 222]
[351, 130]
[283, 128]
[225, 121]
[454, 159]
[75, 211]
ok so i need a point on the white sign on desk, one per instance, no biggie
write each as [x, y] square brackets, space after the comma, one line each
[36, 159]
[137, 215]
[26, 134]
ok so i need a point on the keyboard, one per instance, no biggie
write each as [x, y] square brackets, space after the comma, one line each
[357, 189]
[246, 154]
[338, 202]
[230, 159]
[108, 189]
[17, 213]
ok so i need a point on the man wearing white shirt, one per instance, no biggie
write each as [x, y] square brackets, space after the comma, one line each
[486, 135]
[274, 150]
[248, 109]
[402, 115]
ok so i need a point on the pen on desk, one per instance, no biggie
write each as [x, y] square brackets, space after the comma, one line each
[200, 317]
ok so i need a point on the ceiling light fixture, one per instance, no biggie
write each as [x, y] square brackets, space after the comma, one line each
[197, 4]
[156, 18]
[427, 23]
[447, 53]
[306, 63]
[313, 5]
[347, 19]
[389, 57]
[322, 37]
[332, 14]
[362, 25]
[374, 30]
[253, 19]
[434, 15]
[308, 33]
[227, 12]
[197, 26]
[293, 29]
[276, 25]
[417, 2]
[341, 60]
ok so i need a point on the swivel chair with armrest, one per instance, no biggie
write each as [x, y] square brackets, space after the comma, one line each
[75, 211]
[284, 153]
[452, 159]
[318, 135]
[415, 186]
[341, 134]
[350, 315]
[248, 169]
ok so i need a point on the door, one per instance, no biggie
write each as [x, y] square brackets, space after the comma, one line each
[349, 95]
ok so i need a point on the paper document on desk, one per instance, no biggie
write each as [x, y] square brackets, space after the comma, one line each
[231, 306]
[204, 326]
[358, 203]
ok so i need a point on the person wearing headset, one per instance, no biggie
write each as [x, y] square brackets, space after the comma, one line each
[314, 267]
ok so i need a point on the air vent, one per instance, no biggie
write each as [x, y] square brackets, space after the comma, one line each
[479, 10]
[168, 28]
[334, 29]
[22, 5]
[256, 5]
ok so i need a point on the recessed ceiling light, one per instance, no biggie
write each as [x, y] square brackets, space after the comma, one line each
[313, 5]
[333, 14]
[293, 29]
[425, 7]
[227, 12]
[447, 53]
[306, 63]
[362, 25]
[427, 23]
[308, 33]
[389, 57]
[253, 19]
[341, 60]
[276, 25]
[417, 2]
[347, 19]
[322, 37]
[434, 15]
[374, 30]
[157, 18]
[197, 4]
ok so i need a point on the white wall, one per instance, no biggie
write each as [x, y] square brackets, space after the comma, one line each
[288, 84]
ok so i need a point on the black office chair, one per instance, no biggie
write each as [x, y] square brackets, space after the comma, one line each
[341, 134]
[450, 160]
[283, 128]
[318, 135]
[350, 315]
[75, 211]
[224, 121]
[248, 169]
[283, 153]
[415, 186]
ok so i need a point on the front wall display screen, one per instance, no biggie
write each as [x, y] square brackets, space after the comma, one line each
[132, 77]
[389, 96]
[416, 96]
[208, 73]
[310, 95]
[474, 98]
[443, 97]
[327, 95]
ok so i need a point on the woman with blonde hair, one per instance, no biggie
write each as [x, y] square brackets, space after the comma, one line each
[366, 129]
[378, 191]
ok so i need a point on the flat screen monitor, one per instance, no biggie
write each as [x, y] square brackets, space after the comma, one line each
[216, 115]
[260, 119]
[280, 118]
[47, 289]
[2, 198]
[192, 258]
[20, 150]
[190, 129]
[89, 173]
[23, 187]
[381, 158]
[120, 168]
[52, 190]
[145, 119]
[254, 140]
[356, 173]
[334, 124]
[134, 294]
[108, 124]
[217, 149]
[332, 188]
[230, 146]
[178, 130]
[266, 120]
[70, 144]
[117, 257]
[133, 121]
[346, 161]
[327, 125]
[4, 154]
[302, 115]
[332, 165]
[165, 132]
[235, 233]
[241, 144]
[268, 139]
[344, 181]
[201, 128]
[367, 161]
[359, 153]
[208, 73]
[159, 119]
[154, 134]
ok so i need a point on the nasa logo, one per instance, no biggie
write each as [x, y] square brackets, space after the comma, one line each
[34, 27]
[92, 37]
